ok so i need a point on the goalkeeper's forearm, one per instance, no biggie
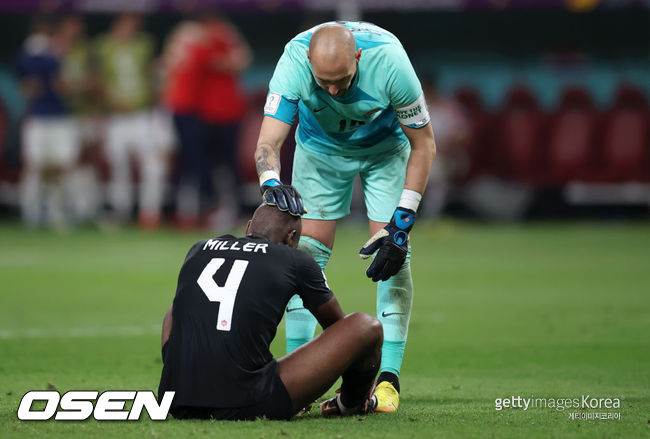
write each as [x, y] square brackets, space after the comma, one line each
[267, 161]
[267, 155]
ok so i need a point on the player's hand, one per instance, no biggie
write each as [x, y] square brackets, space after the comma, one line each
[392, 243]
[285, 197]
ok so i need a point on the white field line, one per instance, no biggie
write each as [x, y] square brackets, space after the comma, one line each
[10, 334]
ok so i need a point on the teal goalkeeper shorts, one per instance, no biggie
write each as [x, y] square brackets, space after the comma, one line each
[325, 182]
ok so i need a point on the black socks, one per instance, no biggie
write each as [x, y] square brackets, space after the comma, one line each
[391, 378]
[355, 386]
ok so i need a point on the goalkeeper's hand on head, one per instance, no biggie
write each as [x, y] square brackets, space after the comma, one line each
[392, 243]
[284, 196]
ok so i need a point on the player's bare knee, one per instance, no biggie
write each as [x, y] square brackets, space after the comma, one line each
[358, 318]
[367, 326]
[377, 330]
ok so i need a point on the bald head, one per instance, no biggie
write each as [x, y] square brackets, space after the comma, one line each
[333, 54]
[332, 43]
[271, 223]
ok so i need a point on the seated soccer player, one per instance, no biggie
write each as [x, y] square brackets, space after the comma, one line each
[231, 295]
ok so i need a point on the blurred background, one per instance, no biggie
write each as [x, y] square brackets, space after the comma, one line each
[119, 112]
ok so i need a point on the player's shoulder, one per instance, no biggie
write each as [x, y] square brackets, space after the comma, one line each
[294, 57]
[366, 35]
[279, 252]
[285, 253]
[300, 255]
[303, 260]
[370, 36]
[206, 243]
[381, 50]
[242, 246]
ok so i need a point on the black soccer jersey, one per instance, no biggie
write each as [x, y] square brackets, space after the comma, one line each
[230, 298]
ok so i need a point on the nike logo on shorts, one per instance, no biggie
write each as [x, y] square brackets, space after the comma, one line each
[320, 109]
[293, 309]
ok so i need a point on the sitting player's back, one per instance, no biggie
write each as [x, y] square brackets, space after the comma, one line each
[230, 298]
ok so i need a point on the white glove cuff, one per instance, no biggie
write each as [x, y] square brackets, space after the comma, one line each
[410, 200]
[268, 175]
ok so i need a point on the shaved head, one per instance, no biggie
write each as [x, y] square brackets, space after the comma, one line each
[332, 44]
[333, 54]
[272, 224]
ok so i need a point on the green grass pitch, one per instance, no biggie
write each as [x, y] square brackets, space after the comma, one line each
[537, 310]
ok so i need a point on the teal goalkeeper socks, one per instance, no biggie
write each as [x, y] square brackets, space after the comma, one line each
[394, 303]
[300, 323]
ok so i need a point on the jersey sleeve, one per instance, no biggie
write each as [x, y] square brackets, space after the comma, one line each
[285, 85]
[311, 282]
[405, 91]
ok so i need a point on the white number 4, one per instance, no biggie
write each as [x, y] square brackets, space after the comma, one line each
[224, 295]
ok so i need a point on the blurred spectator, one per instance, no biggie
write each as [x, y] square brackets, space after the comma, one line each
[50, 144]
[222, 106]
[452, 132]
[81, 99]
[124, 58]
[182, 66]
[203, 61]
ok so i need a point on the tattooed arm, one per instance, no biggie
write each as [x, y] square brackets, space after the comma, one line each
[267, 160]
[272, 135]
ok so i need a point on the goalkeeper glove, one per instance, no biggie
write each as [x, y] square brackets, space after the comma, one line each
[271, 182]
[392, 242]
[284, 196]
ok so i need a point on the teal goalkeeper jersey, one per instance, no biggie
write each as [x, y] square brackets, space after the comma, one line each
[366, 119]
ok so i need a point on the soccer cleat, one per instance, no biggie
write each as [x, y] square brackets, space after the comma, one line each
[370, 406]
[387, 398]
[304, 411]
[330, 407]
[333, 407]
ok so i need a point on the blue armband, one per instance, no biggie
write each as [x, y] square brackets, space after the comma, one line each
[281, 108]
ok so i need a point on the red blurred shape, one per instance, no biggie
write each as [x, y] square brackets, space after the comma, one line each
[572, 136]
[480, 141]
[517, 138]
[625, 152]
[7, 173]
[248, 135]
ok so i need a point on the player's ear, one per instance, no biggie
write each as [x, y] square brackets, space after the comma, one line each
[357, 55]
[308, 57]
[248, 226]
[292, 238]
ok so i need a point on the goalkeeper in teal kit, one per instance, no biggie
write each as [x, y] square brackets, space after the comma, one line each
[361, 111]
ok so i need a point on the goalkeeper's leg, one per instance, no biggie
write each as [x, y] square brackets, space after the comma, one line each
[394, 303]
[300, 323]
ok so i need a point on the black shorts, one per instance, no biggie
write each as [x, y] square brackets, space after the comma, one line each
[276, 406]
